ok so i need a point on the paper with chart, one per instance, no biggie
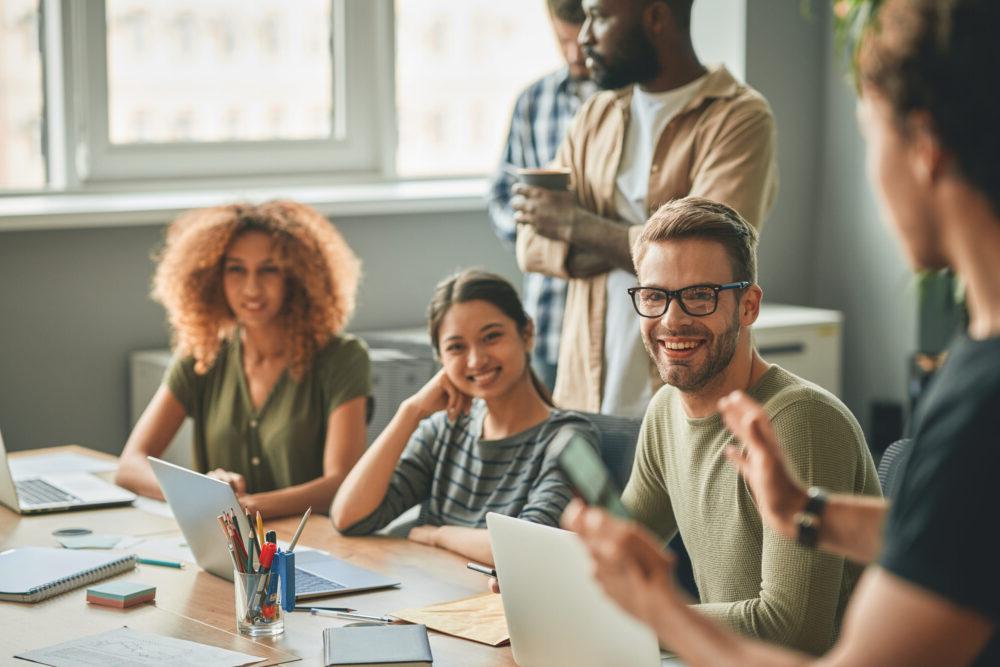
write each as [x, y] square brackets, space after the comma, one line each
[126, 647]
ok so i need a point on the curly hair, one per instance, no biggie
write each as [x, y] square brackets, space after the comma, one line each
[940, 56]
[321, 277]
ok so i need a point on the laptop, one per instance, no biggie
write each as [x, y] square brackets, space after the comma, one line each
[57, 492]
[556, 612]
[196, 501]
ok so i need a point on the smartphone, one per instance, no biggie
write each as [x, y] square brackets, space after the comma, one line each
[588, 475]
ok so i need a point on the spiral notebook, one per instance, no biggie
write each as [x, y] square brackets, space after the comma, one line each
[31, 574]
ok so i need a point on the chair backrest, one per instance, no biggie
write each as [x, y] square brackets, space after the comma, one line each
[891, 466]
[618, 438]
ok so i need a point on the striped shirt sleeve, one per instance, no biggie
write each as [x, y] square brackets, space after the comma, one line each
[410, 483]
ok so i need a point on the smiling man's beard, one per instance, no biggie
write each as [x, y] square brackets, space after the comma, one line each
[721, 350]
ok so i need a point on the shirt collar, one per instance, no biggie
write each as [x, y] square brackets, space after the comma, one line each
[718, 83]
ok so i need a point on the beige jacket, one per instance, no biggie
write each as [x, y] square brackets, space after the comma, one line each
[720, 146]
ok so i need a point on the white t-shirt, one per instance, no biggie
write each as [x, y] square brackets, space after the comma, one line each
[627, 389]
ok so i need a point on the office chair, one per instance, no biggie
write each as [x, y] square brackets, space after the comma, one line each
[890, 467]
[619, 436]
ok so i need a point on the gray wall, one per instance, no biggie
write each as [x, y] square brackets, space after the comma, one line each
[785, 62]
[858, 267]
[73, 305]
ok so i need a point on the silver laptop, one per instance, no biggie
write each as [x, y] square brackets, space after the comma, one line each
[56, 492]
[556, 612]
[197, 500]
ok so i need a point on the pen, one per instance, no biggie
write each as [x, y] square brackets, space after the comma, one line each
[352, 616]
[161, 563]
[340, 609]
[482, 569]
[298, 531]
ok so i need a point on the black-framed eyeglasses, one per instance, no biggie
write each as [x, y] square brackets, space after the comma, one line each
[695, 300]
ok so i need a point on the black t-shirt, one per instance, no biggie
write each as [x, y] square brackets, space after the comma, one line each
[943, 524]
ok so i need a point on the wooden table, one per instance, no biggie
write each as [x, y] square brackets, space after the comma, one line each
[192, 604]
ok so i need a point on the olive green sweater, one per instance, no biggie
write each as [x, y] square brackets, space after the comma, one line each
[749, 577]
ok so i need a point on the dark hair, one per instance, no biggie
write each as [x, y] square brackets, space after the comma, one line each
[940, 57]
[478, 285]
[570, 11]
[698, 218]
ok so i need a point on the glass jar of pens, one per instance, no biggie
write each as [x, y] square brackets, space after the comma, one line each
[263, 574]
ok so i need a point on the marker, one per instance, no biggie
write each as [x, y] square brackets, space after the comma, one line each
[161, 563]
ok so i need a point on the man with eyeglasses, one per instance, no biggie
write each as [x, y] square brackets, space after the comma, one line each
[697, 297]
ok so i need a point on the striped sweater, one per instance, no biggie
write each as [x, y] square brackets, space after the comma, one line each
[457, 476]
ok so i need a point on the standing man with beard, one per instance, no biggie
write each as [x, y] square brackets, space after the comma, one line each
[667, 127]
[697, 299]
[542, 114]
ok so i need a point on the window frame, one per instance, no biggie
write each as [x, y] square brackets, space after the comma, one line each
[362, 145]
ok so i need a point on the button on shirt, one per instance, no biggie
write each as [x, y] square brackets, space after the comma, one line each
[281, 443]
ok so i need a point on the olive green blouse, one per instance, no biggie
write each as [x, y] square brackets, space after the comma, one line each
[282, 443]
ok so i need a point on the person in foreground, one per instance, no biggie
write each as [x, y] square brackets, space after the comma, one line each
[697, 300]
[257, 296]
[932, 594]
[474, 439]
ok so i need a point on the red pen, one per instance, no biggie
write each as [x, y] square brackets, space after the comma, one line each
[267, 555]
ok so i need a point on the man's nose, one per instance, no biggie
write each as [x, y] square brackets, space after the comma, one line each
[674, 314]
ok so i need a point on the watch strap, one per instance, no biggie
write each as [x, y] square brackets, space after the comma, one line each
[811, 517]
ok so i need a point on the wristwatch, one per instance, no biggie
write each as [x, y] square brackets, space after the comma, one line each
[810, 518]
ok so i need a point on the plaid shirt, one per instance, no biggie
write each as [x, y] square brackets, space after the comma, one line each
[542, 114]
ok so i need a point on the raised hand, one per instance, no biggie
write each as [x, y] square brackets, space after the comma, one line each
[759, 459]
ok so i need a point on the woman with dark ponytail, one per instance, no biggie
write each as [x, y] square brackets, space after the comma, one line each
[475, 439]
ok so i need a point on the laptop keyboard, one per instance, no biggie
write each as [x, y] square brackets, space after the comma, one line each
[40, 492]
[310, 583]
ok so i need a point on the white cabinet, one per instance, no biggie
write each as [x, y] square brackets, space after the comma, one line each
[804, 341]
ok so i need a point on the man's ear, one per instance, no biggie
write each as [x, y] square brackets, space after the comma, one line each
[750, 305]
[656, 19]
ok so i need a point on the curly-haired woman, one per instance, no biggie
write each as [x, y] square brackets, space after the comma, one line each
[257, 296]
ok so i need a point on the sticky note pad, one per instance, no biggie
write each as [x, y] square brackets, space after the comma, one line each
[121, 593]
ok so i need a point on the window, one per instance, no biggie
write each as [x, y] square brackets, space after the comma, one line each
[459, 66]
[130, 94]
[228, 70]
[22, 165]
[188, 89]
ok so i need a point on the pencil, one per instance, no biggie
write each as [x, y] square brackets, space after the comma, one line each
[260, 528]
[298, 531]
